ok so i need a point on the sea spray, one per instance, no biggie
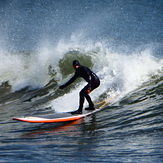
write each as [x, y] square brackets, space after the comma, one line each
[119, 73]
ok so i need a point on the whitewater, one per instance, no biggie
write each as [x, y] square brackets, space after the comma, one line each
[121, 42]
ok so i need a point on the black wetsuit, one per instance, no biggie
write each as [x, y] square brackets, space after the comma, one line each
[93, 82]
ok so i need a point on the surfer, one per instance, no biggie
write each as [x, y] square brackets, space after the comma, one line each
[92, 80]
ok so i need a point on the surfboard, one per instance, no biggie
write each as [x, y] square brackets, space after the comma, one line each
[58, 117]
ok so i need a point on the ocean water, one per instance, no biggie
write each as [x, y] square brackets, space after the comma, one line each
[121, 41]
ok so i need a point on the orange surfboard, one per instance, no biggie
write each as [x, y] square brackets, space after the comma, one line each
[59, 117]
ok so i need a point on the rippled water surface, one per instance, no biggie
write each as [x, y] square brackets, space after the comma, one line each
[121, 42]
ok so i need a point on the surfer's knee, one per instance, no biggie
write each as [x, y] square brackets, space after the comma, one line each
[82, 93]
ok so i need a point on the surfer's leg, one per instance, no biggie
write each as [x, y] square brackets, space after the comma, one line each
[82, 94]
[91, 105]
[81, 100]
[94, 85]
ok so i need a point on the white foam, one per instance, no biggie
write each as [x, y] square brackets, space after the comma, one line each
[27, 70]
[119, 74]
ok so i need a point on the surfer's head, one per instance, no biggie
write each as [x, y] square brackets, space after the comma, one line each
[76, 64]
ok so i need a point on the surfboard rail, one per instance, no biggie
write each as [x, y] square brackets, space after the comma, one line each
[54, 120]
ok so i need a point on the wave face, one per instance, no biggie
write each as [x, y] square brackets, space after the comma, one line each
[121, 42]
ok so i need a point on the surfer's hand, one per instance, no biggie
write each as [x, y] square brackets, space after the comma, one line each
[62, 86]
[89, 89]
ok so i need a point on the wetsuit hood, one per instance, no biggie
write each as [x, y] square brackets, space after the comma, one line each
[75, 63]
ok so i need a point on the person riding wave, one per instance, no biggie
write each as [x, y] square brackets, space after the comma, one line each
[93, 82]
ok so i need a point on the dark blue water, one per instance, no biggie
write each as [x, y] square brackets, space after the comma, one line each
[121, 41]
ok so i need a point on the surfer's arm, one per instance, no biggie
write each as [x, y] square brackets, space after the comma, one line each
[89, 85]
[69, 82]
[89, 82]
[91, 77]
